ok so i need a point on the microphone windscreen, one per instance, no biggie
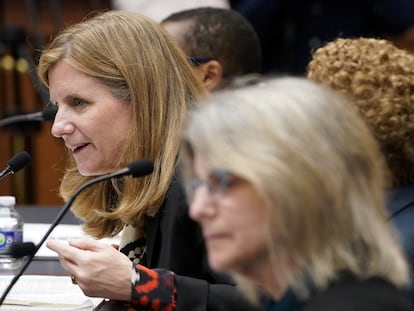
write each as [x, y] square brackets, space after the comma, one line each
[49, 112]
[19, 161]
[141, 168]
[19, 250]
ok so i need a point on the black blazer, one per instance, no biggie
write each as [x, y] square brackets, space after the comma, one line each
[348, 294]
[175, 242]
[370, 295]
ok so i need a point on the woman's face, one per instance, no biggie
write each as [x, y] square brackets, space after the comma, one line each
[91, 121]
[232, 217]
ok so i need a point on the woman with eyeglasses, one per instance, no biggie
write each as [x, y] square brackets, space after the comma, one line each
[287, 184]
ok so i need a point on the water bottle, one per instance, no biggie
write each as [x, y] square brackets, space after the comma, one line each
[11, 231]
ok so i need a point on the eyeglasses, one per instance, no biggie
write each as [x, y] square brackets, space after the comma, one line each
[198, 60]
[218, 182]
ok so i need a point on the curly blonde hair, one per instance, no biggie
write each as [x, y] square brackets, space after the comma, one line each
[380, 79]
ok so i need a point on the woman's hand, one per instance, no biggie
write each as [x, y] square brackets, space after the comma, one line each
[100, 270]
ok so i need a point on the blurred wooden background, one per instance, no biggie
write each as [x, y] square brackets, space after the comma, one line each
[25, 27]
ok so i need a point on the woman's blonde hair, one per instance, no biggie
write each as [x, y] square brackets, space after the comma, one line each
[379, 77]
[305, 148]
[133, 56]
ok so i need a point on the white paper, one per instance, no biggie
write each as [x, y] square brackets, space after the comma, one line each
[41, 292]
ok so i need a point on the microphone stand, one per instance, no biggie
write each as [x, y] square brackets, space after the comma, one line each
[57, 220]
[138, 168]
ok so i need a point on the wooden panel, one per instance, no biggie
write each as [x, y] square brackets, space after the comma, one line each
[5, 152]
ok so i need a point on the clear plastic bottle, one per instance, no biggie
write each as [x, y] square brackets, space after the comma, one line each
[11, 231]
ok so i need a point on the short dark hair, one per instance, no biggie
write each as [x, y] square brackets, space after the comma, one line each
[223, 35]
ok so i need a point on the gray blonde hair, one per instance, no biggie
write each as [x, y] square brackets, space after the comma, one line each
[311, 156]
[138, 61]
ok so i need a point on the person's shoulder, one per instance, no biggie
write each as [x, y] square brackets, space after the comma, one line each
[400, 207]
[176, 194]
[175, 204]
[400, 199]
[359, 295]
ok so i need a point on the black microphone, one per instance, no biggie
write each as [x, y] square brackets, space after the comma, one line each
[135, 169]
[18, 250]
[16, 163]
[48, 114]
